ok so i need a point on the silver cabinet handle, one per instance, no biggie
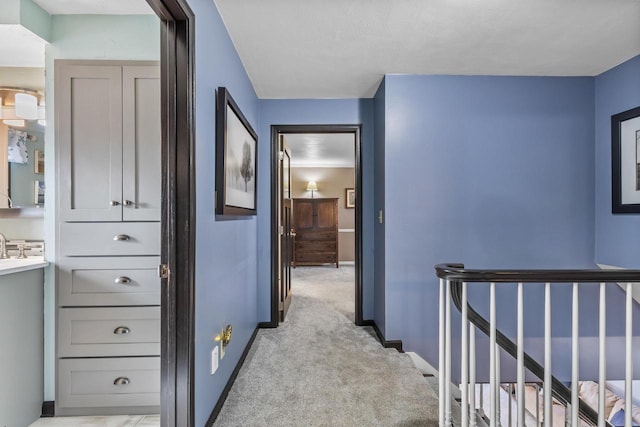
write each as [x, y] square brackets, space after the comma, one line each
[114, 203]
[121, 381]
[121, 330]
[128, 202]
[123, 280]
[121, 237]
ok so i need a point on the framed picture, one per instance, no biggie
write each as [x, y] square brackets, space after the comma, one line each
[38, 161]
[236, 162]
[625, 161]
[349, 198]
[38, 198]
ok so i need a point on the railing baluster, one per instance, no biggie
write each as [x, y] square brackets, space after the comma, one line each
[447, 358]
[547, 412]
[492, 355]
[575, 359]
[472, 374]
[464, 355]
[537, 387]
[602, 376]
[628, 378]
[509, 412]
[441, 361]
[520, 358]
[498, 400]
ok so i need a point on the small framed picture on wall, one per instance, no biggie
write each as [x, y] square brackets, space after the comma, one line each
[349, 198]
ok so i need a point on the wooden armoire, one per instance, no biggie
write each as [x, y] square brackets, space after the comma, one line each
[315, 222]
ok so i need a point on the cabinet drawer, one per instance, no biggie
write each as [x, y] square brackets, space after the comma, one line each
[109, 331]
[316, 246]
[102, 239]
[108, 281]
[88, 383]
[317, 235]
[316, 258]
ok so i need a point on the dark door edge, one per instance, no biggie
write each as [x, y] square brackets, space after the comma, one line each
[178, 211]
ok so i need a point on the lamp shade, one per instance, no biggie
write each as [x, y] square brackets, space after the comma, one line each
[26, 106]
[312, 186]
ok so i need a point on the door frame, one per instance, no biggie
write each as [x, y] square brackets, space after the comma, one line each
[297, 129]
[178, 211]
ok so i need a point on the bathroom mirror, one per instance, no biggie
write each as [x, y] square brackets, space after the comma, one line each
[22, 131]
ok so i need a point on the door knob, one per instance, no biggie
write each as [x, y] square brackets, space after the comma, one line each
[121, 237]
[123, 280]
[114, 203]
[121, 381]
[128, 202]
[121, 330]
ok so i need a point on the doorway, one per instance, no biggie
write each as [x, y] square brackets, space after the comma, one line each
[282, 240]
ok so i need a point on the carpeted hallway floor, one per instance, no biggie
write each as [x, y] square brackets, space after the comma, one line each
[319, 369]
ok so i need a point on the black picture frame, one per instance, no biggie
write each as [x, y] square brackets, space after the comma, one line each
[236, 159]
[625, 162]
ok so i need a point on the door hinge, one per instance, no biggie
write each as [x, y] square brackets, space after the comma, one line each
[163, 271]
[281, 155]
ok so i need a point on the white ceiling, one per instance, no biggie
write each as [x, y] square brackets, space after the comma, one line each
[332, 150]
[341, 49]
[95, 7]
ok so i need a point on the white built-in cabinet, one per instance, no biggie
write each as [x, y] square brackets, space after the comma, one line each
[109, 163]
[108, 153]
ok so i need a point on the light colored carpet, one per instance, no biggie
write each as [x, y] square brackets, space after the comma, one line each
[106, 421]
[319, 369]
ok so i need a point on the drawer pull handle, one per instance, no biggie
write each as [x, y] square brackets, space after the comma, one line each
[121, 381]
[123, 279]
[121, 330]
[121, 237]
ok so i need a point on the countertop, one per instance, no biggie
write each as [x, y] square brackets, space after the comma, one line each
[14, 265]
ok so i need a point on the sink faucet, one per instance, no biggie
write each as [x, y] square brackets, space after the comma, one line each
[3, 247]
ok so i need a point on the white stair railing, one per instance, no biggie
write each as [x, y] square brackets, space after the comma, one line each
[454, 287]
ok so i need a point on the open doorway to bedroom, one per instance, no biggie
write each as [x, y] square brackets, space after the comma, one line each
[317, 218]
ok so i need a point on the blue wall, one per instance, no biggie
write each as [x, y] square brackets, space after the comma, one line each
[379, 103]
[307, 111]
[494, 172]
[617, 241]
[226, 258]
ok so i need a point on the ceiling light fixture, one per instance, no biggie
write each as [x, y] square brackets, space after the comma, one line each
[14, 123]
[21, 104]
[26, 106]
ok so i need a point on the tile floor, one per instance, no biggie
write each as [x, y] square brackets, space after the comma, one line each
[113, 421]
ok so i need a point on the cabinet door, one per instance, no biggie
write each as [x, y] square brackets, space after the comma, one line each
[303, 214]
[141, 145]
[326, 214]
[88, 108]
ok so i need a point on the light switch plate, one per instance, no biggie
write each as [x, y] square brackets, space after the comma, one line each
[214, 360]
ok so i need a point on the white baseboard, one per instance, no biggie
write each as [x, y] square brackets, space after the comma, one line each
[426, 369]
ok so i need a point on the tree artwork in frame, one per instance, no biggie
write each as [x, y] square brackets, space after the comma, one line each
[625, 161]
[236, 159]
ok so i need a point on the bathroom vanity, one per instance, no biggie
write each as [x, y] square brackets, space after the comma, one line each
[21, 357]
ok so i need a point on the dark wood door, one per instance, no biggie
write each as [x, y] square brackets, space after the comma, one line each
[286, 229]
[287, 258]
